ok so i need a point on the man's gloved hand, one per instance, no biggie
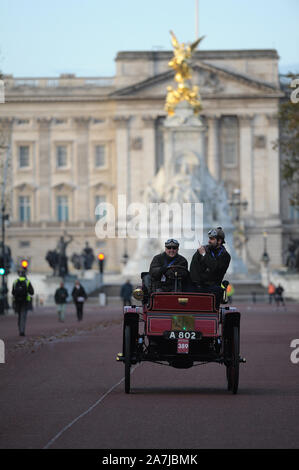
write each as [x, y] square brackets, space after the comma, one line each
[182, 272]
[202, 250]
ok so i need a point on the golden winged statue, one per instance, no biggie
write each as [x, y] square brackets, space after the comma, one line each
[179, 63]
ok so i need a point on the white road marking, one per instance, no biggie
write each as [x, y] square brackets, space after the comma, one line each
[68, 426]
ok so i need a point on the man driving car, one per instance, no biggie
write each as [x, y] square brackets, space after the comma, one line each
[161, 271]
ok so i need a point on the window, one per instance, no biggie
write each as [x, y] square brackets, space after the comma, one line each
[24, 244]
[100, 156]
[23, 156]
[24, 208]
[294, 213]
[229, 141]
[61, 156]
[98, 200]
[62, 208]
[21, 122]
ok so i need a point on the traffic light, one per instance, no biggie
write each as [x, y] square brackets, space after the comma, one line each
[101, 258]
[7, 263]
[2, 267]
[24, 264]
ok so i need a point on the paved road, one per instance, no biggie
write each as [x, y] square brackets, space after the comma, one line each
[62, 388]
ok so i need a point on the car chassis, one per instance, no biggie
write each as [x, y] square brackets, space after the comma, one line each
[181, 329]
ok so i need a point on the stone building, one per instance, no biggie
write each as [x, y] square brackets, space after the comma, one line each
[76, 142]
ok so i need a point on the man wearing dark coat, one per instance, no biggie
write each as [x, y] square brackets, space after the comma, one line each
[79, 296]
[60, 296]
[209, 265]
[126, 292]
[160, 268]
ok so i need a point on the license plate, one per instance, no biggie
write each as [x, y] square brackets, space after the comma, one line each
[182, 334]
[183, 346]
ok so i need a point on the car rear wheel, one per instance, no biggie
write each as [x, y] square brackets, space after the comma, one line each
[232, 370]
[127, 359]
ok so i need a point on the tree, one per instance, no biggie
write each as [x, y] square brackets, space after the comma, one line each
[289, 144]
[5, 172]
[2, 130]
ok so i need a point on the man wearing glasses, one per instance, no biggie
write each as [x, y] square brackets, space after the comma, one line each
[210, 263]
[161, 271]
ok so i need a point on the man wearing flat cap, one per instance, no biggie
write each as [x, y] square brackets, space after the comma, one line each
[161, 271]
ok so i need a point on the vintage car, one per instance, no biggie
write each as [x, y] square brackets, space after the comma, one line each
[180, 329]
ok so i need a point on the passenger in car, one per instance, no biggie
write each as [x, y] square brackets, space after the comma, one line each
[209, 265]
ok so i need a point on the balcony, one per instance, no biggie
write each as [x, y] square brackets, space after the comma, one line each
[65, 80]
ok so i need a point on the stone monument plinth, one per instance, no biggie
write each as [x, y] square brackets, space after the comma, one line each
[185, 179]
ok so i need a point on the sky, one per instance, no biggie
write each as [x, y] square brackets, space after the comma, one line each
[41, 38]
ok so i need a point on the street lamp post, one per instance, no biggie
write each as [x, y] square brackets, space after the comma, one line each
[125, 255]
[238, 205]
[6, 260]
[4, 217]
[265, 259]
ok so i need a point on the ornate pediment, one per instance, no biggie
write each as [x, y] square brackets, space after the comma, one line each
[213, 82]
[99, 185]
[64, 186]
[25, 186]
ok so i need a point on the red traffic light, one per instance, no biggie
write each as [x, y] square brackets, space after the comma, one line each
[101, 256]
[24, 263]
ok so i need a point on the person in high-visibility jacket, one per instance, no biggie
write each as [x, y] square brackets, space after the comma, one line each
[230, 292]
[22, 291]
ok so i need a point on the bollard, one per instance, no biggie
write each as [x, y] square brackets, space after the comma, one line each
[102, 299]
[2, 352]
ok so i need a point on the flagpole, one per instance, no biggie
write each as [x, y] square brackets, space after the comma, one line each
[196, 20]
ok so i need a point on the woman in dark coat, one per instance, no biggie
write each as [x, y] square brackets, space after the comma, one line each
[79, 296]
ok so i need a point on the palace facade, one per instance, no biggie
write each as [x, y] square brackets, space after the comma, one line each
[79, 141]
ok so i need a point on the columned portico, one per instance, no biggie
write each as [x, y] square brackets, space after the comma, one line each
[123, 155]
[149, 145]
[44, 169]
[82, 178]
[273, 169]
[213, 146]
[109, 139]
[247, 161]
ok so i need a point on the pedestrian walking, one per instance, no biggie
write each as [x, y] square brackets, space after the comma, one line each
[271, 292]
[126, 292]
[79, 296]
[279, 295]
[61, 294]
[22, 291]
[4, 305]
